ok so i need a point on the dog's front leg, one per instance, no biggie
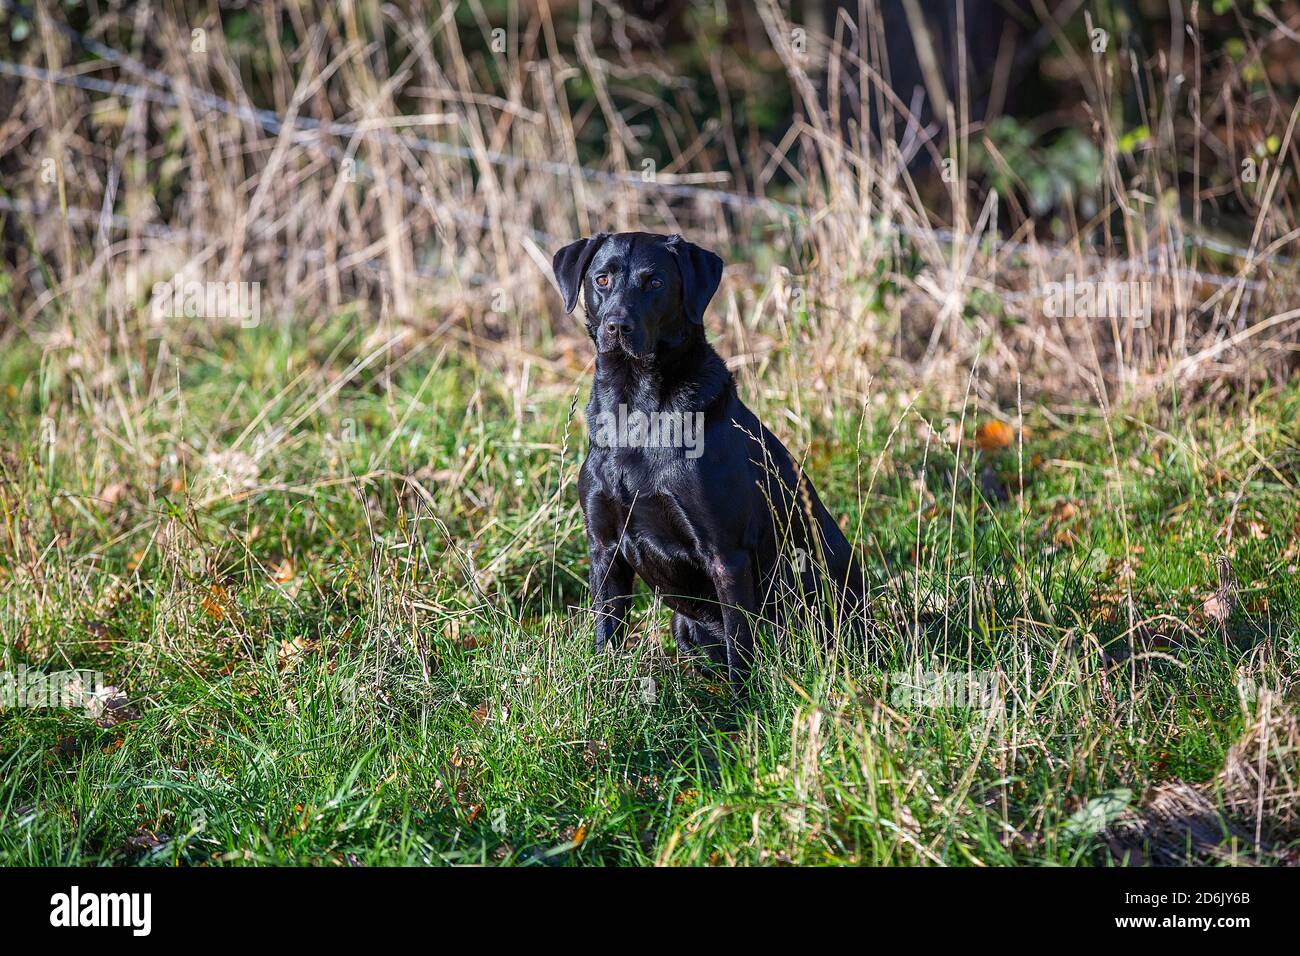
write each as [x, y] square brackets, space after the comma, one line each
[611, 593]
[733, 579]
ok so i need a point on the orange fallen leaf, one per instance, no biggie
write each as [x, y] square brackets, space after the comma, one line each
[993, 435]
[573, 835]
[214, 603]
[284, 572]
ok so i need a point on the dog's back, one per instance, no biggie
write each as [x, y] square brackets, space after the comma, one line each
[804, 558]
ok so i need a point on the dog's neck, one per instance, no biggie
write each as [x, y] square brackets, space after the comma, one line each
[686, 376]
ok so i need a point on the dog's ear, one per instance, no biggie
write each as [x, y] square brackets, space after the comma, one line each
[570, 265]
[701, 273]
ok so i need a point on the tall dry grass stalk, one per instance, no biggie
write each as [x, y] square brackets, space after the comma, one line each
[401, 174]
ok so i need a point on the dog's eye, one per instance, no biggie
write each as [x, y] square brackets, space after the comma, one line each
[602, 280]
[656, 283]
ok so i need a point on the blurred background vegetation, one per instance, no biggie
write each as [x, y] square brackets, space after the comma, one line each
[945, 159]
[705, 75]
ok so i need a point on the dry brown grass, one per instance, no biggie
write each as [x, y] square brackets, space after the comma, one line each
[1241, 817]
[429, 190]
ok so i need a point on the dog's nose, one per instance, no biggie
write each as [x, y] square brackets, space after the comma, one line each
[618, 324]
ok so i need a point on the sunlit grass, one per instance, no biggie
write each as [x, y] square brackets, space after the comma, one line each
[346, 601]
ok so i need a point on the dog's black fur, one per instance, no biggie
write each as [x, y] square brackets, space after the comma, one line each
[713, 535]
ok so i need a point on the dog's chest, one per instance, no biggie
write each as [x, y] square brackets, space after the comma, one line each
[630, 475]
[642, 492]
[658, 544]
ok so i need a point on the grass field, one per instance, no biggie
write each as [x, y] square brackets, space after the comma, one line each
[314, 583]
[337, 582]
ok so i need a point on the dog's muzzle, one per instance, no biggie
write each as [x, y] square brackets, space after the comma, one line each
[617, 332]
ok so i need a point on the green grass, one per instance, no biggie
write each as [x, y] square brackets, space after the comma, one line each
[369, 645]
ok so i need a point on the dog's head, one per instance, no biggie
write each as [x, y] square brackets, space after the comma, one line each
[643, 291]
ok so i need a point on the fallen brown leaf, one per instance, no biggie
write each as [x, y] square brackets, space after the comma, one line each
[593, 751]
[109, 706]
[101, 634]
[1064, 511]
[291, 652]
[215, 602]
[108, 498]
[144, 839]
[1217, 608]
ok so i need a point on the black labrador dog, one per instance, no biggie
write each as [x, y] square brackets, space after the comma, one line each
[682, 484]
